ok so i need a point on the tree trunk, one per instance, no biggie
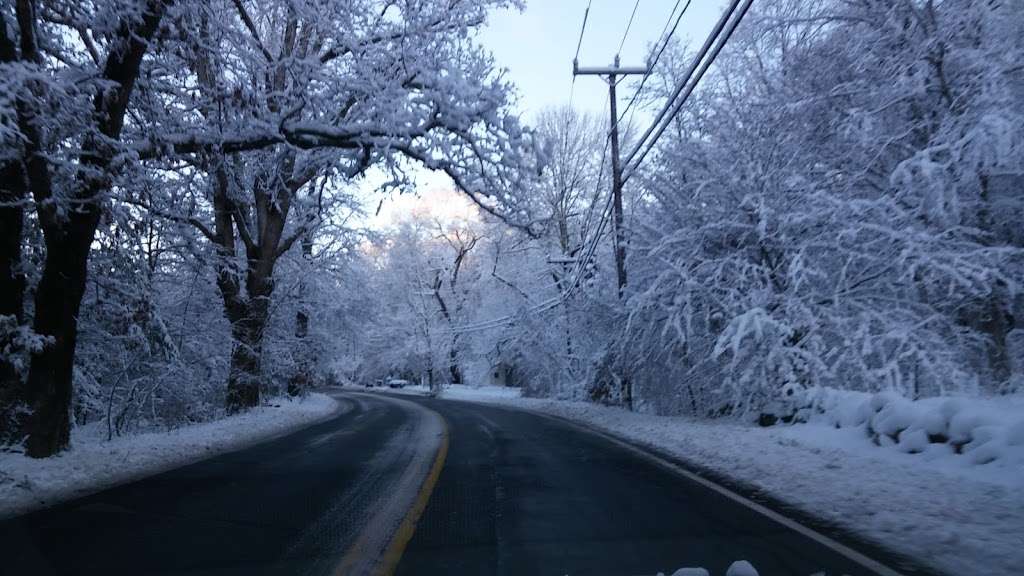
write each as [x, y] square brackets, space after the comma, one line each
[996, 319]
[248, 316]
[68, 238]
[303, 377]
[304, 370]
[58, 298]
[246, 374]
[453, 365]
[250, 312]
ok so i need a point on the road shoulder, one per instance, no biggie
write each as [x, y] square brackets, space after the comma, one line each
[93, 464]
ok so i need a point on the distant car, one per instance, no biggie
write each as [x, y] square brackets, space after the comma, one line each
[397, 383]
[378, 383]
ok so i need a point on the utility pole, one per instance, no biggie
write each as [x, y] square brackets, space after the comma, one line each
[613, 73]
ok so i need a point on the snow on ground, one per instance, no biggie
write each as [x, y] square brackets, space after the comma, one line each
[482, 393]
[943, 509]
[414, 390]
[451, 391]
[92, 463]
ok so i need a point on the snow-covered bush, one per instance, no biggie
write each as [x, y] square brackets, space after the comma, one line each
[980, 429]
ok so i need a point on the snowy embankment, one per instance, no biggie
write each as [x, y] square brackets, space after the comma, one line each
[92, 463]
[954, 502]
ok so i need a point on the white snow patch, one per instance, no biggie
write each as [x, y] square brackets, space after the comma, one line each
[461, 391]
[92, 463]
[452, 391]
[414, 390]
[937, 506]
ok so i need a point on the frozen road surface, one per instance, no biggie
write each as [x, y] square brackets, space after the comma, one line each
[423, 486]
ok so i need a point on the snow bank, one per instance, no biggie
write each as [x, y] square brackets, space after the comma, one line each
[451, 391]
[414, 390]
[92, 463]
[937, 506]
[460, 392]
[979, 430]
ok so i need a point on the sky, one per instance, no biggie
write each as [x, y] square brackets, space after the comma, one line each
[536, 46]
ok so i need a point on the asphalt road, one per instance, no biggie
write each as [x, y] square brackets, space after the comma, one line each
[517, 493]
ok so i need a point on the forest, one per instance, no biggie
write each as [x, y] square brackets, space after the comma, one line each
[185, 189]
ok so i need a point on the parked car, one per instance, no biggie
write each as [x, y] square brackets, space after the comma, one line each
[397, 383]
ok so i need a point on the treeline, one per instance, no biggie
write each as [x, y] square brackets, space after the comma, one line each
[838, 205]
[175, 190]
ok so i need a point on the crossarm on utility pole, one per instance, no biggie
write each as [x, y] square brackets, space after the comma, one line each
[609, 70]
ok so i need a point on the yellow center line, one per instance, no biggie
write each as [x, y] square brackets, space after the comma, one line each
[396, 546]
[393, 553]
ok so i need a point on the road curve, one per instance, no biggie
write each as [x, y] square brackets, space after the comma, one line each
[305, 503]
[494, 490]
[523, 493]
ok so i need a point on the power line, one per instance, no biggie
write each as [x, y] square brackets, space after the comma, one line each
[663, 40]
[579, 43]
[583, 28]
[705, 57]
[600, 173]
[612, 74]
[629, 25]
[576, 274]
[715, 42]
[682, 84]
[713, 37]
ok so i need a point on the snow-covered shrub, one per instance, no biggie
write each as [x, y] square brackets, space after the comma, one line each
[982, 429]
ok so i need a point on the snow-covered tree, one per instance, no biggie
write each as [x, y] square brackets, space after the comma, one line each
[232, 118]
[823, 212]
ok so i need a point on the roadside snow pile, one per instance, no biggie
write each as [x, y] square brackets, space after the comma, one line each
[461, 391]
[983, 430]
[453, 391]
[93, 464]
[937, 506]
